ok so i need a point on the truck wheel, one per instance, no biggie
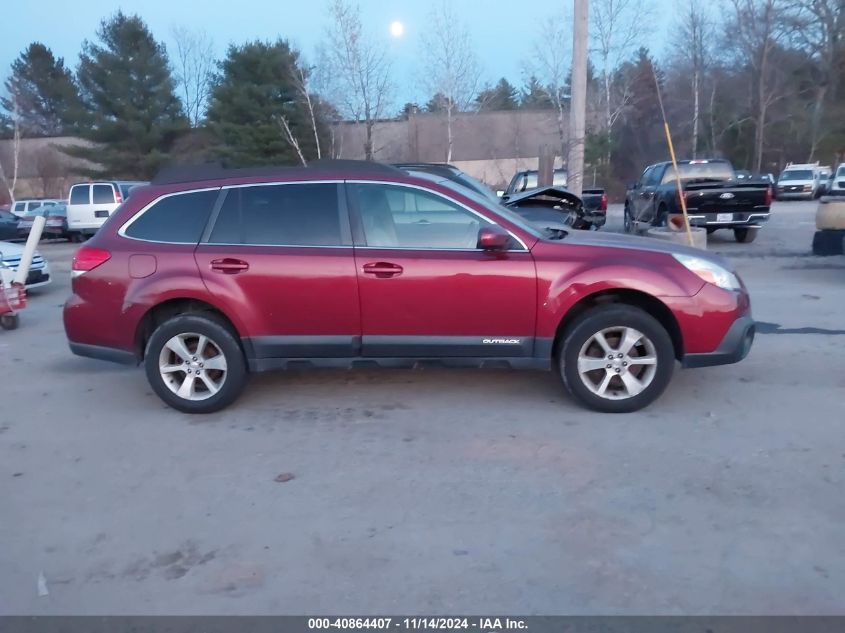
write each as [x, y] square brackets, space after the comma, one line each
[746, 236]
[195, 364]
[628, 220]
[616, 358]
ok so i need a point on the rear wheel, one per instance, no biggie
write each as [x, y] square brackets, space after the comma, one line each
[662, 217]
[616, 359]
[195, 364]
[745, 236]
[9, 321]
[628, 220]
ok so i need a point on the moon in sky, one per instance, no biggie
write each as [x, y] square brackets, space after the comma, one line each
[397, 29]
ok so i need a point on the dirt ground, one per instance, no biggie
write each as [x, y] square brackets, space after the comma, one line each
[437, 492]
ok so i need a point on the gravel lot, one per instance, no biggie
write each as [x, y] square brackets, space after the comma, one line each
[437, 491]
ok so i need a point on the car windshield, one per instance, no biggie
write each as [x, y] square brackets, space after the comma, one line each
[715, 170]
[797, 174]
[840, 172]
[491, 205]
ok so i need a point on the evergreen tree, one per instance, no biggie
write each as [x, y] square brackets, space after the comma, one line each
[255, 97]
[43, 90]
[129, 94]
[437, 103]
[533, 96]
[502, 96]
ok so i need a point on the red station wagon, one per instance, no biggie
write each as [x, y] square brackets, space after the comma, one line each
[207, 275]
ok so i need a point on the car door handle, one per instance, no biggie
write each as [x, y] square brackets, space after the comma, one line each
[382, 270]
[229, 266]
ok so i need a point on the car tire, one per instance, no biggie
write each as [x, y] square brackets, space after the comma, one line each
[746, 236]
[628, 219]
[662, 217]
[171, 368]
[612, 390]
[10, 321]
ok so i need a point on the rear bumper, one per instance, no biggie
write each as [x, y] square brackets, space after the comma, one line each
[103, 353]
[734, 346]
[744, 219]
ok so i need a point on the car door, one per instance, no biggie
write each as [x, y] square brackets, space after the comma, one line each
[426, 289]
[647, 191]
[280, 257]
[80, 214]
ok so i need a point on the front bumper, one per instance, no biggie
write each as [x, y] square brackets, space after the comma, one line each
[734, 346]
[794, 195]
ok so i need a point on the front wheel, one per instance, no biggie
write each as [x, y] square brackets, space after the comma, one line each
[616, 359]
[745, 236]
[195, 364]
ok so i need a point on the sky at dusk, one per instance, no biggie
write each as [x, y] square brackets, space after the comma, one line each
[503, 32]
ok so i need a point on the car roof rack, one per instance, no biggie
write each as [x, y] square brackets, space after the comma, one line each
[216, 171]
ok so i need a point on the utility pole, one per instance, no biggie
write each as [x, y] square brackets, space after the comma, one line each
[578, 98]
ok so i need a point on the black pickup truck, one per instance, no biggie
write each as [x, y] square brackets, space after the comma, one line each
[715, 198]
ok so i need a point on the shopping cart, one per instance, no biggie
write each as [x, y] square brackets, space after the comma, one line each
[12, 299]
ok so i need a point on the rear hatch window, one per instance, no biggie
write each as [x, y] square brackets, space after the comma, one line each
[103, 194]
[79, 194]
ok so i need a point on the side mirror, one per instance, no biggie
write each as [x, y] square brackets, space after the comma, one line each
[493, 238]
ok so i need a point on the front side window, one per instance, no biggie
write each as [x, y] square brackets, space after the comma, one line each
[280, 215]
[394, 216]
[179, 218]
[103, 194]
[80, 194]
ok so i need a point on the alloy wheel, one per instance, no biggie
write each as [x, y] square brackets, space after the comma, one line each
[617, 363]
[192, 366]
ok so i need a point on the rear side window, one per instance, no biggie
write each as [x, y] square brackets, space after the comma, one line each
[178, 218]
[125, 189]
[103, 194]
[280, 215]
[20, 206]
[79, 194]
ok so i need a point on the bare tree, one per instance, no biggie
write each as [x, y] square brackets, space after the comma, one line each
[291, 138]
[695, 29]
[550, 62]
[450, 64]
[194, 63]
[300, 80]
[819, 29]
[355, 70]
[16, 150]
[755, 28]
[616, 30]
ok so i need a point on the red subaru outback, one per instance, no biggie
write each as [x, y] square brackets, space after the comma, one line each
[206, 276]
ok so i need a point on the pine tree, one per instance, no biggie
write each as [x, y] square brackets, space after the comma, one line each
[533, 96]
[129, 94]
[502, 96]
[256, 95]
[43, 92]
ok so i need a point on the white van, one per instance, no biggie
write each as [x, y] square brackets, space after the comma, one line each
[800, 182]
[91, 203]
[22, 207]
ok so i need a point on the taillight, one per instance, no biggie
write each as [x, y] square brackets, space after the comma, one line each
[88, 258]
[603, 203]
[769, 196]
[117, 197]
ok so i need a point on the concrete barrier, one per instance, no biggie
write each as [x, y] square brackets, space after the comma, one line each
[699, 236]
[830, 214]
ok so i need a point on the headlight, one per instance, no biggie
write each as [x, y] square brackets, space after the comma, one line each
[709, 272]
